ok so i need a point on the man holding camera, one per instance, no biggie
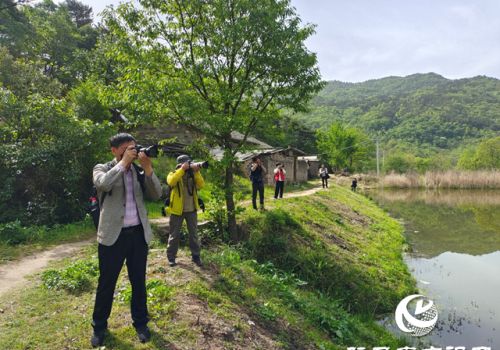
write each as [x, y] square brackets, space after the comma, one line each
[124, 232]
[257, 170]
[184, 206]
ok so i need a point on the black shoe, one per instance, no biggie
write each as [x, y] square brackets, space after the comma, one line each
[197, 260]
[143, 333]
[97, 339]
[171, 262]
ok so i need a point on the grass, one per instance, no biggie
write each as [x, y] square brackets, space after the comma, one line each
[35, 238]
[450, 179]
[308, 274]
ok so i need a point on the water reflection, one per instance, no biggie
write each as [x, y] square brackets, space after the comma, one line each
[456, 235]
[447, 220]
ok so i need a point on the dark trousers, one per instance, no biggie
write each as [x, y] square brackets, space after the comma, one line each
[280, 185]
[324, 181]
[257, 186]
[354, 189]
[133, 248]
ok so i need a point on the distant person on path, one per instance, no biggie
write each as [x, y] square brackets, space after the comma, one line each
[354, 185]
[124, 233]
[279, 177]
[184, 206]
[257, 171]
[323, 173]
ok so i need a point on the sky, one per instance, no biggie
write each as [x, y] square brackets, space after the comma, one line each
[359, 40]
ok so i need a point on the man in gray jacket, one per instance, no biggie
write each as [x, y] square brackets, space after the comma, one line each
[124, 232]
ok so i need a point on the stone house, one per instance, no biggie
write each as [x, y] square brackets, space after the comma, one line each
[296, 171]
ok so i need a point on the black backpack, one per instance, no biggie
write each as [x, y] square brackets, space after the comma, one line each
[95, 206]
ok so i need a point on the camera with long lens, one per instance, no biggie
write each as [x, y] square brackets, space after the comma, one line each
[201, 165]
[151, 151]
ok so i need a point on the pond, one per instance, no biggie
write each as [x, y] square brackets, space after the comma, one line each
[455, 258]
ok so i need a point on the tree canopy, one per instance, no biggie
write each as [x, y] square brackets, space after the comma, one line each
[215, 66]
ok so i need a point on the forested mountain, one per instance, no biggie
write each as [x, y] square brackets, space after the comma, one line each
[421, 113]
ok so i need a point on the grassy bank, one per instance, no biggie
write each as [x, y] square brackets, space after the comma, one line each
[309, 273]
[17, 241]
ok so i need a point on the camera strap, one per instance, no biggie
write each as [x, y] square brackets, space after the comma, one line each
[141, 176]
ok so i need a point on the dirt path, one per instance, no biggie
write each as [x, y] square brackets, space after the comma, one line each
[13, 275]
[164, 221]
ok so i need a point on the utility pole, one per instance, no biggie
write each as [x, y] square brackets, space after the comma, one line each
[378, 166]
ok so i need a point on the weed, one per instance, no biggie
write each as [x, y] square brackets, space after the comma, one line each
[75, 278]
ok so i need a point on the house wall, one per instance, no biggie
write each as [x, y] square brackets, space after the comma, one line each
[296, 171]
[147, 135]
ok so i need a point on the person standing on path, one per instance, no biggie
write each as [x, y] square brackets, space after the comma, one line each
[185, 181]
[279, 177]
[323, 173]
[354, 184]
[257, 171]
[124, 233]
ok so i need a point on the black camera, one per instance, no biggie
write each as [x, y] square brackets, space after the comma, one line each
[151, 151]
[201, 165]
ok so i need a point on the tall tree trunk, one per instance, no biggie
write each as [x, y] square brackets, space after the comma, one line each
[231, 217]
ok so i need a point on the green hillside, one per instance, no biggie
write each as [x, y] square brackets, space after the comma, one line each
[422, 113]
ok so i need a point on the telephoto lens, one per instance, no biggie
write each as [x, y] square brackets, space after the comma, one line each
[201, 165]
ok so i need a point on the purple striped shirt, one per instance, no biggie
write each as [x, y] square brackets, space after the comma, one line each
[131, 216]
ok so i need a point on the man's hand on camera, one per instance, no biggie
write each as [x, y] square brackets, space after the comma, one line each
[129, 156]
[196, 168]
[185, 166]
[146, 164]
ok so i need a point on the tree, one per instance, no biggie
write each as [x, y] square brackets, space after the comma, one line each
[397, 162]
[338, 145]
[47, 153]
[215, 66]
[488, 153]
[80, 13]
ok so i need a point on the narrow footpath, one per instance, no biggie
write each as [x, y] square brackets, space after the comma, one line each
[13, 274]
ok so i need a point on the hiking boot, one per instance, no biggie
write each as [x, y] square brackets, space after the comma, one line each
[97, 339]
[171, 262]
[197, 260]
[143, 333]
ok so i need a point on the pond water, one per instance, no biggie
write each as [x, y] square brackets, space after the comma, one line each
[455, 237]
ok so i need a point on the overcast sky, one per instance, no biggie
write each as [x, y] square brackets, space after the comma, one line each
[358, 40]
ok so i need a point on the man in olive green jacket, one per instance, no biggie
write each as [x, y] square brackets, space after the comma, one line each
[184, 206]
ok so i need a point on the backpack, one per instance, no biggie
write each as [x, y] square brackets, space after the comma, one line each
[95, 205]
[168, 194]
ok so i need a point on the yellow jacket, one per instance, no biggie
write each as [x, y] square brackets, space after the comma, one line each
[174, 180]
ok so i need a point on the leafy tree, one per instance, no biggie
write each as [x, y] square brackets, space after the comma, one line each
[397, 162]
[80, 13]
[86, 105]
[287, 131]
[488, 153]
[48, 154]
[468, 159]
[216, 66]
[46, 32]
[338, 145]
